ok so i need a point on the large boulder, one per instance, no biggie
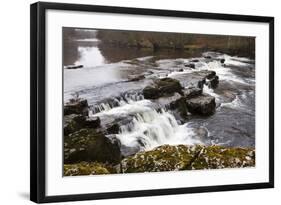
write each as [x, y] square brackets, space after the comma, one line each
[76, 106]
[202, 105]
[90, 145]
[183, 157]
[162, 87]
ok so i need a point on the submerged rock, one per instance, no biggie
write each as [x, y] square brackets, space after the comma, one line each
[162, 87]
[183, 157]
[76, 106]
[202, 105]
[90, 145]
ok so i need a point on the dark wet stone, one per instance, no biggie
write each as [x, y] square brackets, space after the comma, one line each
[190, 65]
[213, 82]
[192, 92]
[162, 87]
[76, 106]
[74, 66]
[74, 122]
[202, 105]
[90, 145]
[194, 60]
[136, 77]
[150, 92]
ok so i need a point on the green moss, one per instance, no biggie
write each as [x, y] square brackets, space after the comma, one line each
[182, 157]
[85, 168]
[214, 157]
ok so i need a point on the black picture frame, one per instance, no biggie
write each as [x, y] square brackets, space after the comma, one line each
[38, 101]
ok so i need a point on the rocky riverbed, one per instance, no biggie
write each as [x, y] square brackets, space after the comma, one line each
[153, 113]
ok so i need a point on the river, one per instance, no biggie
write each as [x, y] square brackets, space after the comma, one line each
[105, 81]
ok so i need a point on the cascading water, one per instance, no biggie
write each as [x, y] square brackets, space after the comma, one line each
[149, 128]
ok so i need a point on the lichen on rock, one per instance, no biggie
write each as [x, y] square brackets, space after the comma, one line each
[184, 157]
[85, 168]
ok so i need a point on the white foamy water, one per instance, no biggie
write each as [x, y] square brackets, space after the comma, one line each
[149, 127]
[153, 129]
[210, 91]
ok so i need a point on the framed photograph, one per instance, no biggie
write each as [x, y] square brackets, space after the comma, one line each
[129, 102]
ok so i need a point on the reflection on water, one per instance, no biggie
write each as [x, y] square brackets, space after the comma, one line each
[89, 57]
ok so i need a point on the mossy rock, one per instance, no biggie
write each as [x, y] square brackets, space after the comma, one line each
[183, 157]
[214, 157]
[90, 145]
[163, 158]
[86, 168]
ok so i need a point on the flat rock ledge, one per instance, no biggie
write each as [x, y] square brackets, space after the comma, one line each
[171, 158]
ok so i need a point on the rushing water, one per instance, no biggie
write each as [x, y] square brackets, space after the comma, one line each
[106, 84]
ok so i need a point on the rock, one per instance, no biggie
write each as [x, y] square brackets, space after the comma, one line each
[180, 70]
[136, 77]
[194, 79]
[194, 60]
[208, 57]
[74, 122]
[90, 145]
[202, 105]
[150, 92]
[222, 60]
[168, 86]
[184, 157]
[76, 106]
[213, 82]
[74, 66]
[92, 122]
[87, 168]
[180, 106]
[217, 157]
[192, 92]
[162, 87]
[111, 124]
[190, 65]
[163, 158]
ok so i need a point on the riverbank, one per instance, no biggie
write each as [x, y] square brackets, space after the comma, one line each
[187, 42]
